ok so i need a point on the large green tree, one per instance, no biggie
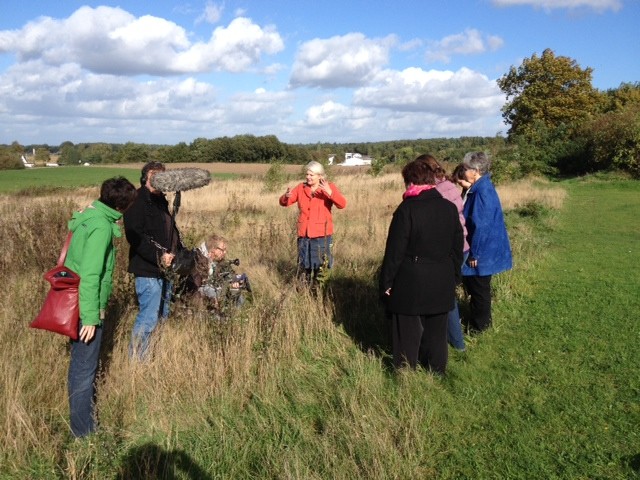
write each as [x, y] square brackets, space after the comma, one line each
[547, 90]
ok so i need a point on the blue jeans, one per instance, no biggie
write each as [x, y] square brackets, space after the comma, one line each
[154, 295]
[314, 253]
[454, 327]
[81, 384]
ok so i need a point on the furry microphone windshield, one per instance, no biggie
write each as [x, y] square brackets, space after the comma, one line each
[180, 179]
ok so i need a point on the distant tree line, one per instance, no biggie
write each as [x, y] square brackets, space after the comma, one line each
[558, 124]
[252, 149]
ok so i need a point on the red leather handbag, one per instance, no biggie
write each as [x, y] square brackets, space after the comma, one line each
[60, 312]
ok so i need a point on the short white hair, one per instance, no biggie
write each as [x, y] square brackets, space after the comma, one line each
[479, 161]
[315, 167]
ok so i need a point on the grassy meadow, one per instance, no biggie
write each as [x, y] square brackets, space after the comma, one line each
[298, 385]
[40, 180]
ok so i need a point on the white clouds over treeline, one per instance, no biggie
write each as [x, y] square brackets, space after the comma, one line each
[103, 74]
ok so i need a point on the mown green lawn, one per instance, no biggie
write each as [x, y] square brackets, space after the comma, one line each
[555, 391]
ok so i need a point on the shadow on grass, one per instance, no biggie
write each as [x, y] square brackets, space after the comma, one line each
[153, 462]
[116, 312]
[633, 461]
[359, 311]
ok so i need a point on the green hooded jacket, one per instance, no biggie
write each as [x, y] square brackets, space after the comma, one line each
[92, 256]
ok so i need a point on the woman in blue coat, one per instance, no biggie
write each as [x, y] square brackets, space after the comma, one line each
[490, 251]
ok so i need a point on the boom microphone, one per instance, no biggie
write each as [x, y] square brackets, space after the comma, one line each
[180, 179]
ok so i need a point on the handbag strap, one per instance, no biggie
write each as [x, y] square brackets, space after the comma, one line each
[63, 253]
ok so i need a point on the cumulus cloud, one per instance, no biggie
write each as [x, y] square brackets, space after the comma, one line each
[336, 114]
[76, 79]
[340, 61]
[597, 5]
[334, 122]
[111, 40]
[469, 42]
[233, 49]
[260, 108]
[70, 91]
[70, 103]
[411, 103]
[463, 92]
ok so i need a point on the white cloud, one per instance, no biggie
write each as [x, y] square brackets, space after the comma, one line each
[69, 103]
[469, 42]
[76, 80]
[463, 92]
[597, 5]
[337, 114]
[212, 13]
[411, 45]
[110, 40]
[340, 61]
[261, 108]
[233, 49]
[71, 91]
[332, 122]
[412, 103]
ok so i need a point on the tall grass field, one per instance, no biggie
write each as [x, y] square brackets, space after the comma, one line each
[297, 384]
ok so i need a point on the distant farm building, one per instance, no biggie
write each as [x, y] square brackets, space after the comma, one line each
[351, 160]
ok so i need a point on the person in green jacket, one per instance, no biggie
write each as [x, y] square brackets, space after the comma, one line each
[91, 255]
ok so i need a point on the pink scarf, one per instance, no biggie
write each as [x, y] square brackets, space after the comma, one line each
[413, 190]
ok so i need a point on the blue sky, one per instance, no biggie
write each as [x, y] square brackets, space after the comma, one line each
[161, 71]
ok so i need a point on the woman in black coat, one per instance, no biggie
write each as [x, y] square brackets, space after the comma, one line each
[420, 270]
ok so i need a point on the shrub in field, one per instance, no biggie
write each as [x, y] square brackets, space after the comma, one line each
[614, 140]
[275, 177]
[10, 157]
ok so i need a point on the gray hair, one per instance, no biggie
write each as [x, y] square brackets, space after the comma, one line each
[478, 161]
[315, 167]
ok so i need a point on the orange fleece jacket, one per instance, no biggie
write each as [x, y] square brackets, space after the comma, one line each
[314, 219]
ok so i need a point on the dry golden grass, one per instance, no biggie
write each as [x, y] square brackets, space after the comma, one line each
[531, 190]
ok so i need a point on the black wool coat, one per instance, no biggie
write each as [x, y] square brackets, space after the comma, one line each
[423, 256]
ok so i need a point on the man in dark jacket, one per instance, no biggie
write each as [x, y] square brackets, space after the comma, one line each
[153, 239]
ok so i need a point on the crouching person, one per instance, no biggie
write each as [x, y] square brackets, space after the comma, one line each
[221, 285]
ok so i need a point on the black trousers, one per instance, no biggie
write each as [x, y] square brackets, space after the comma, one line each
[480, 290]
[420, 339]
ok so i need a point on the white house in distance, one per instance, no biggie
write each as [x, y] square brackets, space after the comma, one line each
[351, 160]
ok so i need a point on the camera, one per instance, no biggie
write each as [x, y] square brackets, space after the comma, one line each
[236, 282]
